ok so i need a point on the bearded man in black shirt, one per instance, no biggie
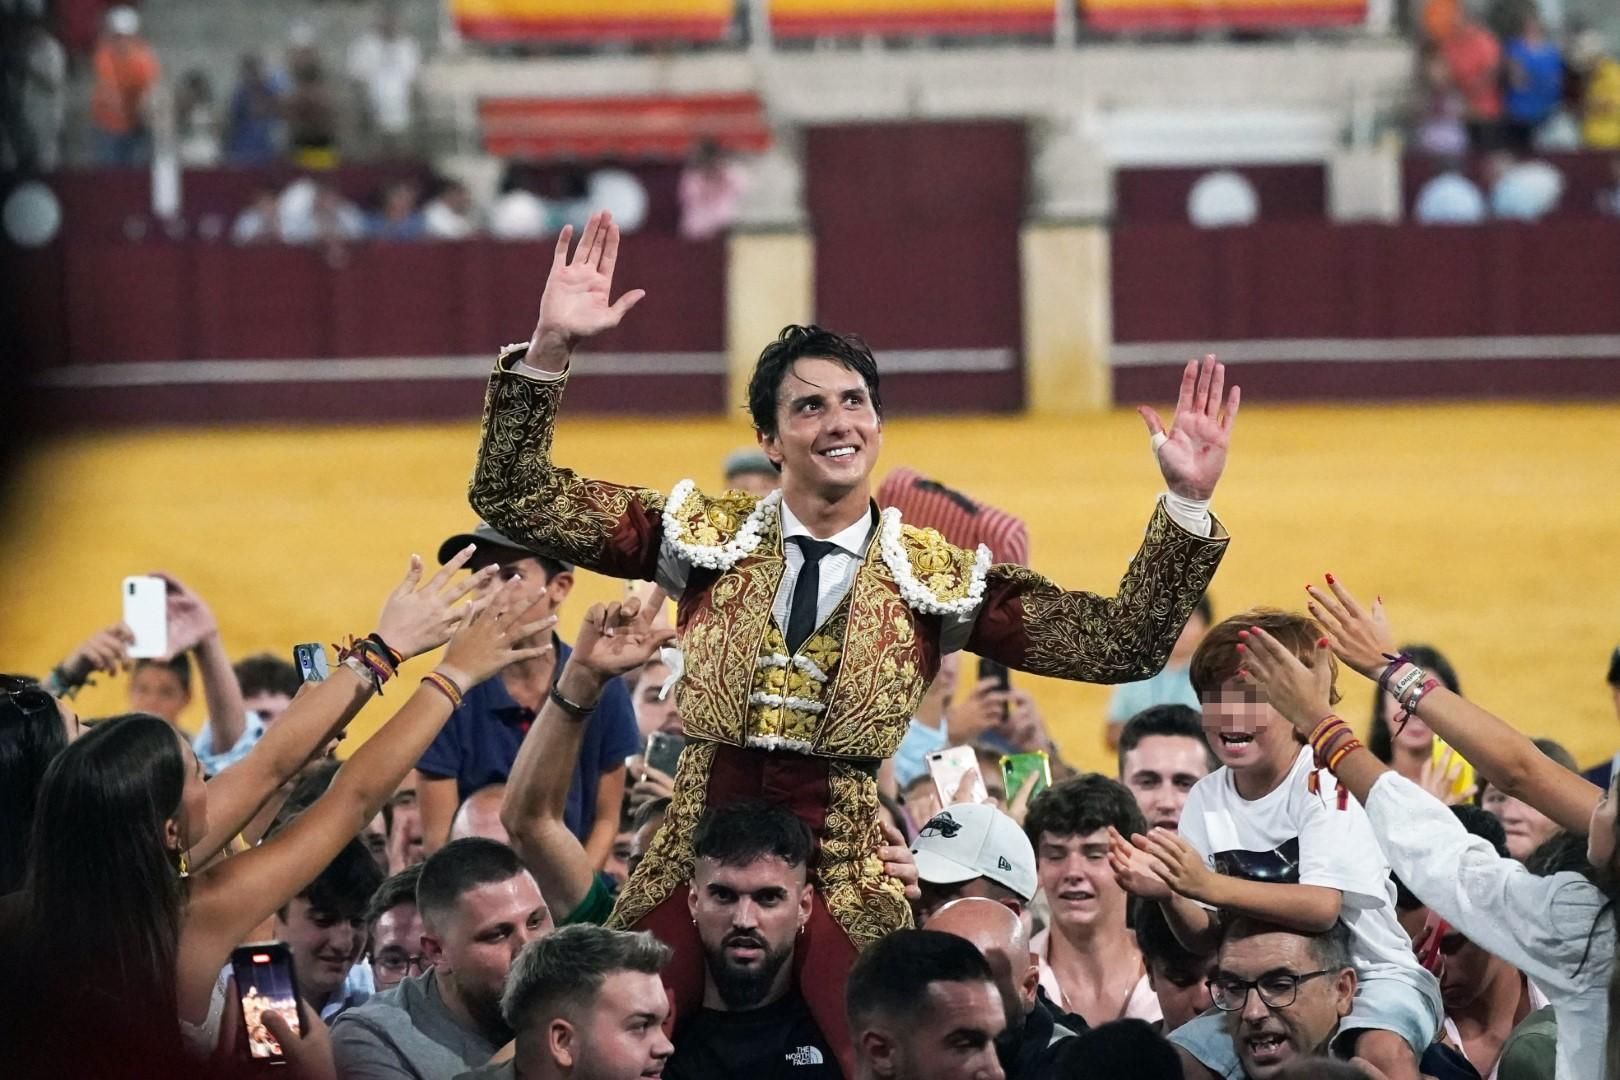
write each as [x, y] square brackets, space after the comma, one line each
[750, 898]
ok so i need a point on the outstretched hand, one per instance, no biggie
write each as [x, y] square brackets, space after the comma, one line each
[619, 637]
[1303, 695]
[1361, 637]
[415, 620]
[576, 303]
[491, 637]
[1192, 455]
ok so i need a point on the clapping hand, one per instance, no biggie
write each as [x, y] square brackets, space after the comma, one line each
[576, 301]
[1135, 870]
[1176, 863]
[418, 620]
[1192, 455]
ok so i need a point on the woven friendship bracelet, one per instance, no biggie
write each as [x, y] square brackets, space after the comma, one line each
[444, 685]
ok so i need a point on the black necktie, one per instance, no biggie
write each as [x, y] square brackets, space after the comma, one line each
[802, 610]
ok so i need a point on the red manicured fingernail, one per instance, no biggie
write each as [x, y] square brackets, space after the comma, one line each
[1330, 579]
[1243, 648]
[1322, 643]
[1243, 633]
[1243, 672]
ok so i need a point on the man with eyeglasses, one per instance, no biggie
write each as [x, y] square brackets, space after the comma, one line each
[1283, 993]
[394, 930]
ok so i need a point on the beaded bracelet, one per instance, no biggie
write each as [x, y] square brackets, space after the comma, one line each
[445, 685]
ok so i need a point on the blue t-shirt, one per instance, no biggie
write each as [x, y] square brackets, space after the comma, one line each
[480, 741]
[1543, 87]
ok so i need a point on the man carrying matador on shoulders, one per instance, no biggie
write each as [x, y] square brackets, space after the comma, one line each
[810, 623]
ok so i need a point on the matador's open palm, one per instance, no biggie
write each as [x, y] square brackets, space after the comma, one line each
[1192, 454]
[577, 302]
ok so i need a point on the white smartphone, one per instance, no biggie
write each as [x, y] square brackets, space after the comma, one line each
[949, 766]
[146, 613]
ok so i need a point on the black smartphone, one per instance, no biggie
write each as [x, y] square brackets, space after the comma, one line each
[310, 659]
[664, 751]
[264, 980]
[991, 669]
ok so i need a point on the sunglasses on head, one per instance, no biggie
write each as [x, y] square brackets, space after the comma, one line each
[25, 695]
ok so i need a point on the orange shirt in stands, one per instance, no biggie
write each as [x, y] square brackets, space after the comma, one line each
[126, 70]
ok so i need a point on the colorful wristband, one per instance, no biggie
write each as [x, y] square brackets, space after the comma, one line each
[444, 685]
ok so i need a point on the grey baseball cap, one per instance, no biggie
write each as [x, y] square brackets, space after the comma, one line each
[493, 547]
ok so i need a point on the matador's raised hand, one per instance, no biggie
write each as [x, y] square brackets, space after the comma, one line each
[576, 303]
[1192, 454]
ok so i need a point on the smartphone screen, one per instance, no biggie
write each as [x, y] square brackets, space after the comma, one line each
[310, 659]
[1016, 768]
[664, 751]
[990, 669]
[264, 980]
[948, 767]
[146, 613]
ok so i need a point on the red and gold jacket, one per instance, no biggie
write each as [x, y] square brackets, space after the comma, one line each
[811, 728]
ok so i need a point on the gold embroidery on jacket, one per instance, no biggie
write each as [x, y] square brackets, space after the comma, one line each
[667, 863]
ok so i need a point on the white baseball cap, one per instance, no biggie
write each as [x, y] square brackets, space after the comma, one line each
[973, 840]
[123, 20]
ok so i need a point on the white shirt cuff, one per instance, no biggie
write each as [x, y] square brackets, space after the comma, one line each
[1190, 514]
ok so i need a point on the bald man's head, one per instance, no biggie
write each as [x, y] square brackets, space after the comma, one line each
[998, 933]
[480, 815]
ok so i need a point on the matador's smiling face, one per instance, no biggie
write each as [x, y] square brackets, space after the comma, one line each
[828, 431]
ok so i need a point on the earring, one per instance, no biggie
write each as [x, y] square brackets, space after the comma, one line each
[185, 869]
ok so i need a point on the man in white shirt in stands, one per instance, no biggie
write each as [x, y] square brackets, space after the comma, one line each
[384, 63]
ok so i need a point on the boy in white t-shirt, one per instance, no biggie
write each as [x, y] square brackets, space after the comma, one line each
[1270, 837]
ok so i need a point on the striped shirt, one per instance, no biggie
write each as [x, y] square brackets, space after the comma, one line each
[961, 519]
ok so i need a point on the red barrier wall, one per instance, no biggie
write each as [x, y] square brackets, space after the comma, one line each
[1312, 309]
[127, 330]
[916, 229]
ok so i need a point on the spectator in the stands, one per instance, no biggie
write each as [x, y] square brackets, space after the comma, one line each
[1179, 978]
[397, 217]
[126, 70]
[750, 470]
[1170, 686]
[268, 684]
[1162, 754]
[711, 191]
[35, 143]
[1598, 106]
[325, 927]
[394, 930]
[308, 106]
[1533, 72]
[1449, 198]
[313, 212]
[1474, 59]
[384, 63]
[253, 130]
[1522, 190]
[260, 221]
[196, 120]
[1527, 828]
[480, 815]
[451, 215]
[1438, 129]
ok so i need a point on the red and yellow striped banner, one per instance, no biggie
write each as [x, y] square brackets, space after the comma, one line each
[593, 20]
[1193, 14]
[807, 18]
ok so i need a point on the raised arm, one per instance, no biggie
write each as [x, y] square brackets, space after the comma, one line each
[614, 638]
[1027, 622]
[413, 621]
[605, 527]
[231, 898]
[192, 627]
[1503, 755]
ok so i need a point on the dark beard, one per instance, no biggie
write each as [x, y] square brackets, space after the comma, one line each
[744, 988]
[485, 1009]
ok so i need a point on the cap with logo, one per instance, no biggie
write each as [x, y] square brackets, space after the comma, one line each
[971, 840]
[492, 546]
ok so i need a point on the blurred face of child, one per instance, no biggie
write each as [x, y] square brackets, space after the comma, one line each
[1243, 729]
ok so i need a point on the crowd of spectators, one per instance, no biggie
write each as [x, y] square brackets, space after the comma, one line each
[1495, 95]
[439, 892]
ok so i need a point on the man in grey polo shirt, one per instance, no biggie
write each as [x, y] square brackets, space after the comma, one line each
[479, 907]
